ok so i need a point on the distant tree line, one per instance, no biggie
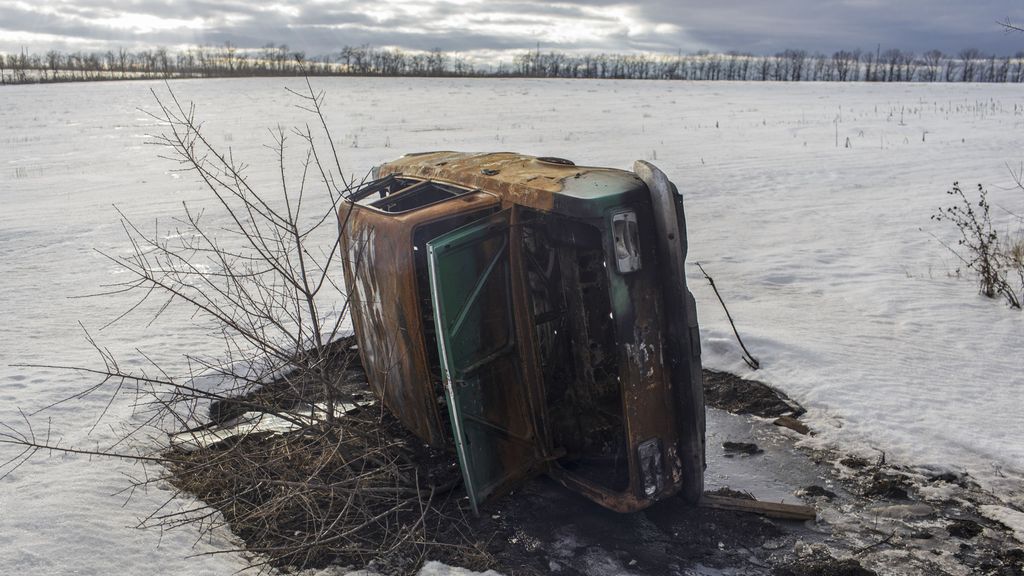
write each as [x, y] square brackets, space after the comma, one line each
[892, 65]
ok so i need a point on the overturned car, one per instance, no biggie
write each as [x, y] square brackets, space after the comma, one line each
[533, 314]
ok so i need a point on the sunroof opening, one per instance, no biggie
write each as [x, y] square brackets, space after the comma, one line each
[396, 195]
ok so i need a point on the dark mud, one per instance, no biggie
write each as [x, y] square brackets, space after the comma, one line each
[848, 567]
[740, 396]
[745, 448]
[873, 517]
[291, 389]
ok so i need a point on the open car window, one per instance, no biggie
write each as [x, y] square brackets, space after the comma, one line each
[396, 194]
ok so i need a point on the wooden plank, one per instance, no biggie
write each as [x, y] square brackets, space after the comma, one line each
[770, 509]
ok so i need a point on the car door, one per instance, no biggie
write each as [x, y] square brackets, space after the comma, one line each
[681, 323]
[488, 402]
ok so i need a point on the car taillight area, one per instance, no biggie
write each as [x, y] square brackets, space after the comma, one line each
[626, 239]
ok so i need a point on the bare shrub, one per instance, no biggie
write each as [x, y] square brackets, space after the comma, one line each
[995, 259]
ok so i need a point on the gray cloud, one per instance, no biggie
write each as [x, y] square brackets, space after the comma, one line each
[322, 26]
[828, 25]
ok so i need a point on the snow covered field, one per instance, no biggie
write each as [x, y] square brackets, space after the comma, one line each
[808, 203]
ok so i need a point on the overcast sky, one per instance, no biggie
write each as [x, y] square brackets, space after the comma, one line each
[492, 29]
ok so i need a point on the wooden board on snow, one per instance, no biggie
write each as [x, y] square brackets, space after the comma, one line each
[770, 509]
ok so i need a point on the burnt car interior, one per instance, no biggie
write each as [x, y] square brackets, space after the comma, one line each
[568, 285]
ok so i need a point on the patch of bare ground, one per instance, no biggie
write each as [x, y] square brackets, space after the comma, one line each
[368, 493]
[363, 493]
[737, 395]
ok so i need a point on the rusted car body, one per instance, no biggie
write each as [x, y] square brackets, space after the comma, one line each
[535, 315]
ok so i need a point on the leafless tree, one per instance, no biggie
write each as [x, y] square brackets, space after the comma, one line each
[968, 60]
[1010, 25]
[949, 70]
[1018, 67]
[122, 61]
[870, 67]
[256, 271]
[53, 61]
[109, 63]
[797, 60]
[893, 65]
[228, 54]
[845, 63]
[259, 261]
[932, 65]
[910, 65]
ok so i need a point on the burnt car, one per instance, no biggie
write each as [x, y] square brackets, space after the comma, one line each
[533, 314]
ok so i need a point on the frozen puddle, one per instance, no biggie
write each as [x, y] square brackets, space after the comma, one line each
[774, 475]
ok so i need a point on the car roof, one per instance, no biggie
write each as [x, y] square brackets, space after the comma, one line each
[549, 184]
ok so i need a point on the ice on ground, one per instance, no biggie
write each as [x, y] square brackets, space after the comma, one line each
[808, 203]
[1012, 519]
[432, 568]
[258, 423]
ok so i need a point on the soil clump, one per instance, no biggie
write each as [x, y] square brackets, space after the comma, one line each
[741, 396]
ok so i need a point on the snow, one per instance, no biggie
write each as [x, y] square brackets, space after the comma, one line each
[432, 568]
[1012, 519]
[822, 252]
